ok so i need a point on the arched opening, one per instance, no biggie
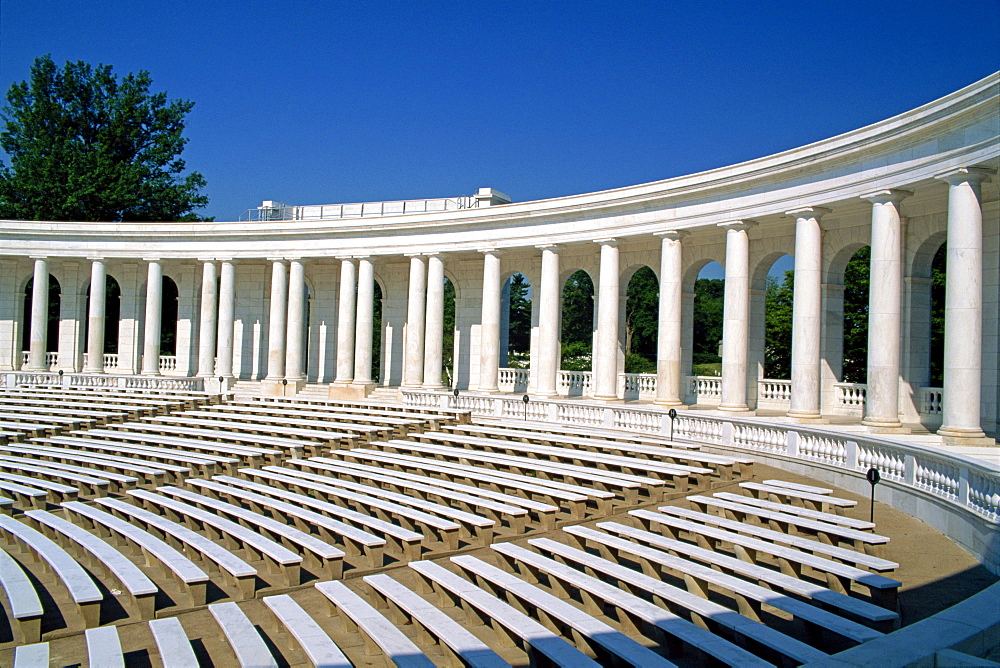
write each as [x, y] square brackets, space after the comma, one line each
[168, 317]
[641, 321]
[778, 319]
[856, 290]
[112, 315]
[707, 311]
[577, 322]
[52, 330]
[448, 335]
[377, 334]
[938, 280]
[517, 295]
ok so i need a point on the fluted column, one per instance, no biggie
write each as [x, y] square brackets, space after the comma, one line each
[346, 311]
[208, 321]
[364, 323]
[668, 339]
[963, 308]
[807, 312]
[295, 329]
[154, 314]
[606, 355]
[736, 317]
[884, 312]
[276, 321]
[39, 332]
[549, 302]
[489, 333]
[95, 317]
[227, 319]
[413, 359]
[434, 329]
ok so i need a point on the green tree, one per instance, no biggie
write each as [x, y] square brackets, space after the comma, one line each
[577, 322]
[84, 145]
[938, 271]
[709, 295]
[448, 339]
[778, 327]
[519, 333]
[641, 322]
[856, 290]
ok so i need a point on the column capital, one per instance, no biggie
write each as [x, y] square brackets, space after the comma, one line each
[673, 235]
[276, 259]
[417, 255]
[741, 225]
[548, 247]
[96, 258]
[964, 174]
[816, 212]
[609, 241]
[343, 258]
[887, 196]
[38, 257]
[152, 259]
[490, 251]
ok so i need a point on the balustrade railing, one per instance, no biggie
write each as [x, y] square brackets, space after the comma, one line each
[50, 379]
[513, 380]
[573, 383]
[637, 385]
[705, 389]
[51, 359]
[850, 397]
[168, 363]
[931, 400]
[774, 391]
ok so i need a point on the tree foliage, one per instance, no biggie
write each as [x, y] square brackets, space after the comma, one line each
[856, 289]
[709, 294]
[938, 270]
[519, 335]
[577, 322]
[778, 327]
[642, 306]
[448, 340]
[85, 145]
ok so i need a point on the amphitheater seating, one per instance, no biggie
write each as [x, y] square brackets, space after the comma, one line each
[24, 606]
[172, 643]
[31, 656]
[303, 631]
[147, 472]
[250, 649]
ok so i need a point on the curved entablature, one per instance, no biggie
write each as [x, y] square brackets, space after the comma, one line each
[907, 151]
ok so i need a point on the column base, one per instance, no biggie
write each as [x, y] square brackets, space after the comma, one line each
[349, 392]
[671, 403]
[609, 399]
[85, 370]
[885, 426]
[802, 417]
[743, 411]
[963, 436]
[543, 395]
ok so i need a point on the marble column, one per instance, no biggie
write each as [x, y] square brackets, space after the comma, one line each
[413, 355]
[963, 309]
[208, 319]
[346, 312]
[736, 317]
[95, 317]
[668, 339]
[606, 355]
[549, 303]
[276, 321]
[434, 329]
[39, 331]
[227, 319]
[489, 337]
[807, 315]
[154, 314]
[884, 313]
[295, 329]
[364, 323]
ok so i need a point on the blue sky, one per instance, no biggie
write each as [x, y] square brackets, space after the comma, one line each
[321, 102]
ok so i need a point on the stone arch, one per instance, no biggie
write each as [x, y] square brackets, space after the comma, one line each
[169, 298]
[576, 334]
[640, 311]
[52, 327]
[515, 346]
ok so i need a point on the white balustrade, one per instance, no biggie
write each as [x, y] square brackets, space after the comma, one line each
[851, 395]
[110, 361]
[51, 359]
[512, 380]
[637, 385]
[168, 363]
[931, 400]
[705, 389]
[574, 383]
[774, 391]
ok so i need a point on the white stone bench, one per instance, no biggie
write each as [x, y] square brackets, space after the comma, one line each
[6, 505]
[312, 440]
[148, 473]
[799, 487]
[472, 500]
[303, 632]
[352, 532]
[322, 407]
[573, 503]
[676, 473]
[673, 627]
[615, 645]
[54, 491]
[32, 656]
[509, 623]
[749, 597]
[438, 628]
[140, 588]
[249, 456]
[24, 496]
[86, 483]
[821, 502]
[250, 649]
[627, 488]
[25, 607]
[834, 599]
[321, 555]
[358, 421]
[153, 549]
[237, 572]
[77, 581]
[224, 414]
[49, 422]
[377, 630]
[703, 611]
[25, 429]
[172, 643]
[115, 481]
[202, 463]
[278, 559]
[100, 412]
[615, 435]
[280, 443]
[827, 532]
[832, 518]
[104, 648]
[477, 527]
[722, 466]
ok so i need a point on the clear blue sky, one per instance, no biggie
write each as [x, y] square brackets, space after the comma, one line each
[321, 102]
